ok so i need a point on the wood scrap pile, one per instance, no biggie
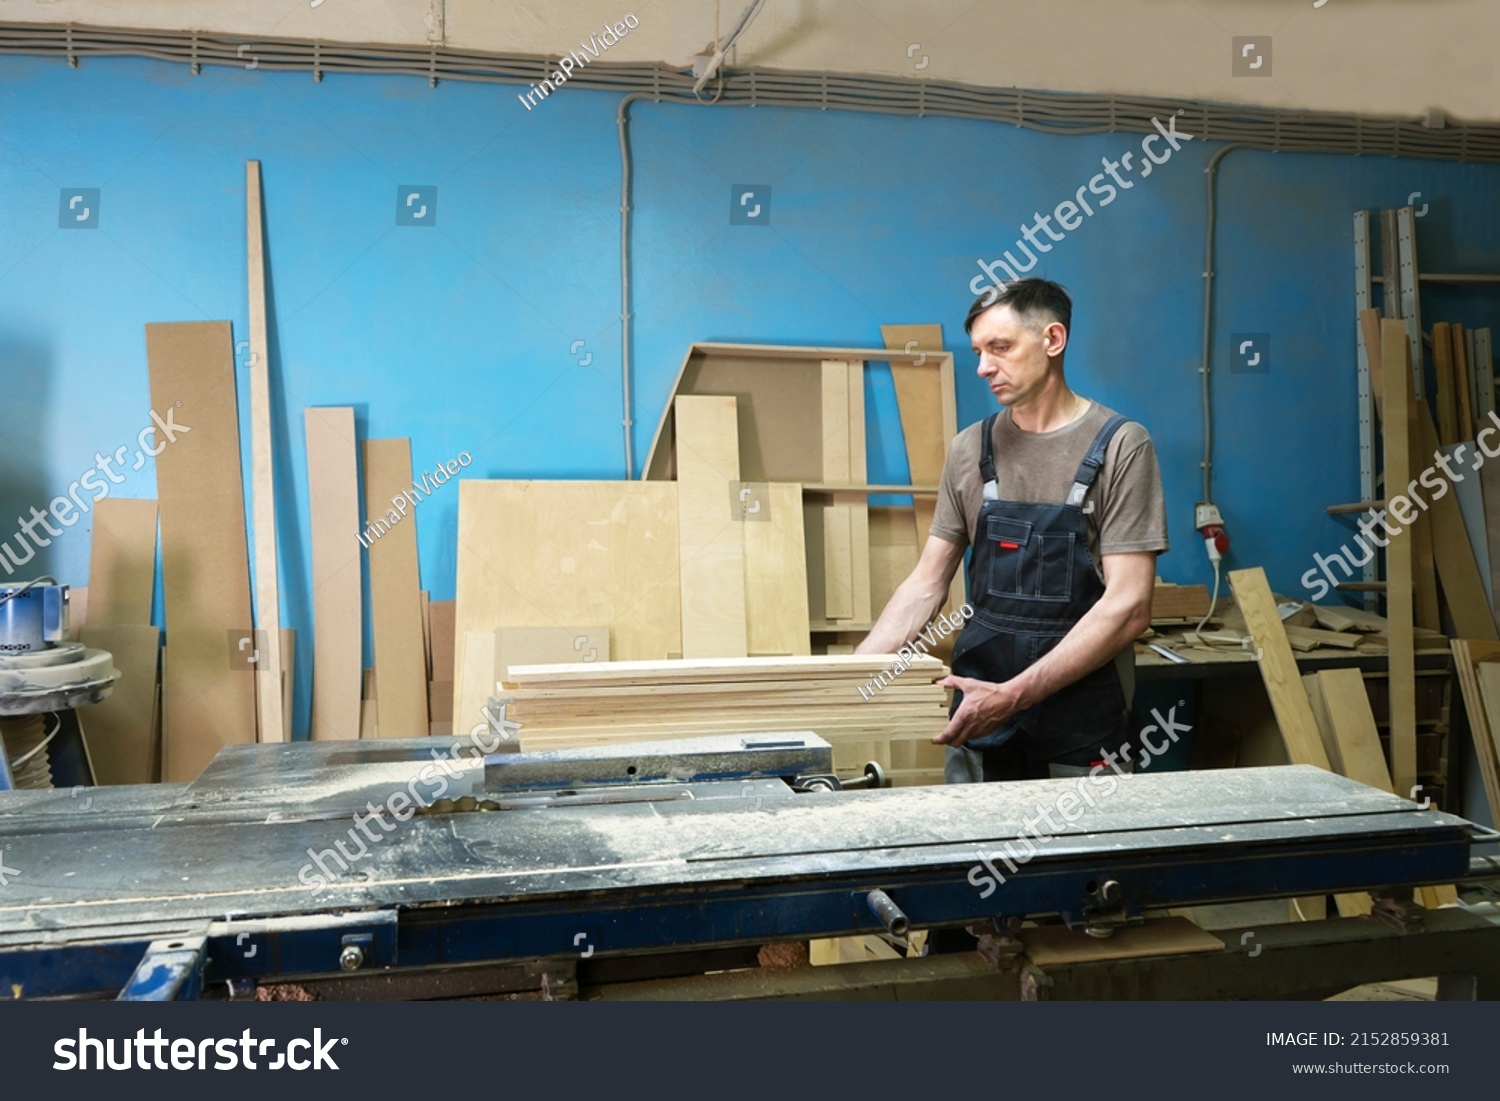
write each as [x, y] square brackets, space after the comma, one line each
[852, 701]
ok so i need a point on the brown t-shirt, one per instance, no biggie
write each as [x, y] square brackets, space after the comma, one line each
[1125, 505]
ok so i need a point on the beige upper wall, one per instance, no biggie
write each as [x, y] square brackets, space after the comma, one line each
[1381, 57]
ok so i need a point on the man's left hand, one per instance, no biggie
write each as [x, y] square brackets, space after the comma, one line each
[986, 705]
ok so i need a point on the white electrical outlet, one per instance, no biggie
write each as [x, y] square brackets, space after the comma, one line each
[1205, 514]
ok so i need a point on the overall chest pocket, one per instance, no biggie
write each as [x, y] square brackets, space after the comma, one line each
[1028, 564]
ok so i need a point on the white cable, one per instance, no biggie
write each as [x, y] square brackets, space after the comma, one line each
[1212, 604]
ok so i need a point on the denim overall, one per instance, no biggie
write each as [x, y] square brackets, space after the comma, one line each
[1031, 578]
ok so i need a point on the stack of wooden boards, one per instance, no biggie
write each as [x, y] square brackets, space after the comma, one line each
[1478, 666]
[597, 703]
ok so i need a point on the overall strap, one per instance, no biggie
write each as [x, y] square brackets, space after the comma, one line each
[987, 458]
[1088, 470]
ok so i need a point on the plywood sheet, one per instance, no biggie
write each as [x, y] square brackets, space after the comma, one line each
[207, 704]
[776, 600]
[396, 594]
[122, 562]
[338, 598]
[711, 544]
[1467, 654]
[549, 646]
[121, 729]
[553, 554]
[477, 680]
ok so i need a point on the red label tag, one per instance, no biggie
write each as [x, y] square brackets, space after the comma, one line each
[1009, 546]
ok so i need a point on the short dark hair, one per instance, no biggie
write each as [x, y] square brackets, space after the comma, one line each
[1028, 299]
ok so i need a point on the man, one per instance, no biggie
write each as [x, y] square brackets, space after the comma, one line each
[1061, 500]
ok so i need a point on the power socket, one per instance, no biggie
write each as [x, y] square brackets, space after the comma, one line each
[1205, 514]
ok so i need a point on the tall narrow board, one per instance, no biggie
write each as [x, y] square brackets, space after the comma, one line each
[1467, 654]
[1398, 420]
[1463, 382]
[1470, 495]
[1347, 726]
[929, 421]
[776, 600]
[710, 543]
[440, 613]
[1489, 484]
[121, 729]
[338, 610]
[1456, 567]
[554, 554]
[272, 721]
[288, 680]
[1445, 401]
[1278, 668]
[396, 594]
[846, 565]
[205, 565]
[122, 562]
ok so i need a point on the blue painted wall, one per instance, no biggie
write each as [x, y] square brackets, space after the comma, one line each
[459, 335]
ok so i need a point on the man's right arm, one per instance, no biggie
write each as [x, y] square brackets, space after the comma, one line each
[916, 600]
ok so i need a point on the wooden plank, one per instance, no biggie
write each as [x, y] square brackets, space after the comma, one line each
[548, 646]
[288, 679]
[1352, 739]
[443, 644]
[776, 602]
[1445, 401]
[1469, 492]
[272, 723]
[838, 568]
[477, 680]
[396, 593]
[338, 596]
[1462, 382]
[1459, 573]
[207, 704]
[1467, 654]
[1177, 601]
[426, 635]
[120, 729]
[1396, 428]
[919, 400]
[77, 612]
[1333, 619]
[1489, 485]
[1278, 668]
[122, 562]
[710, 543]
[859, 505]
[549, 554]
[1337, 639]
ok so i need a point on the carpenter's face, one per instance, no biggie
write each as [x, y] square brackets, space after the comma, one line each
[1014, 356]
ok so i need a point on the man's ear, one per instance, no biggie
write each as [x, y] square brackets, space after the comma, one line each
[1055, 338]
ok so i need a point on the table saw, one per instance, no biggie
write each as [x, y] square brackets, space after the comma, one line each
[421, 868]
